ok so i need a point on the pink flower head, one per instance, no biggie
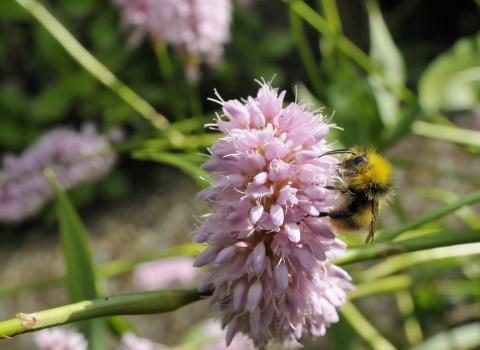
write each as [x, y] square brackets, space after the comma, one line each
[60, 338]
[271, 276]
[174, 273]
[74, 157]
[194, 27]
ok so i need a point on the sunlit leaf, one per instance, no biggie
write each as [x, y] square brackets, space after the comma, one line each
[459, 338]
[452, 81]
[447, 133]
[384, 52]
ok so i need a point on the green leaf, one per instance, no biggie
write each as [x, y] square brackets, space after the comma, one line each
[51, 104]
[11, 135]
[459, 338]
[386, 54]
[452, 81]
[276, 43]
[447, 133]
[81, 277]
[10, 10]
[392, 134]
[115, 186]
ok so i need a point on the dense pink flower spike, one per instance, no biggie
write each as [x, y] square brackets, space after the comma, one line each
[171, 273]
[194, 27]
[74, 157]
[271, 274]
[60, 338]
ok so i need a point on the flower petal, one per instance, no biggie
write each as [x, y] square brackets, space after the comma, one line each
[276, 213]
[254, 296]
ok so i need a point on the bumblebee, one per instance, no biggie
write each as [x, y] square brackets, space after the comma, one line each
[367, 185]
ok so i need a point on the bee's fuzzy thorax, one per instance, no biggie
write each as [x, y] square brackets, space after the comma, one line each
[375, 176]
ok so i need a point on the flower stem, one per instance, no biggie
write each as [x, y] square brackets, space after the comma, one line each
[127, 304]
[91, 64]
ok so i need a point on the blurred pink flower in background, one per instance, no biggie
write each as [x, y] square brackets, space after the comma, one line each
[171, 273]
[75, 157]
[214, 338]
[131, 342]
[60, 338]
[195, 28]
[271, 276]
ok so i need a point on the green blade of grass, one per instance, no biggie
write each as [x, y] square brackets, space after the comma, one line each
[365, 329]
[447, 133]
[430, 216]
[385, 285]
[401, 262]
[384, 249]
[81, 277]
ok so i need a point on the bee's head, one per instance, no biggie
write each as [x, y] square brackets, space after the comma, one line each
[354, 162]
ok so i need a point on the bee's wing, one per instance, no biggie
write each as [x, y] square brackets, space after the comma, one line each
[373, 223]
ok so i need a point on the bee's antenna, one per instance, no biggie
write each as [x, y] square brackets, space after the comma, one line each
[338, 151]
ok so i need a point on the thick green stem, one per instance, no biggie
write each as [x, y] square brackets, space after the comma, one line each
[127, 304]
[91, 64]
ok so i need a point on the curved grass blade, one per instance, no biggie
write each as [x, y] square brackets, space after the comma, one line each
[81, 277]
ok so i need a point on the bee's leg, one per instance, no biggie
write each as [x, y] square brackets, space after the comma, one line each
[323, 214]
[335, 188]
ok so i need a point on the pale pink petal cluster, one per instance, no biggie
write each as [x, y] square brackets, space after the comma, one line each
[171, 273]
[60, 338]
[271, 274]
[131, 342]
[74, 157]
[193, 27]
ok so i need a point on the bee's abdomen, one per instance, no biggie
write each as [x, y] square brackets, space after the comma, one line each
[353, 217]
